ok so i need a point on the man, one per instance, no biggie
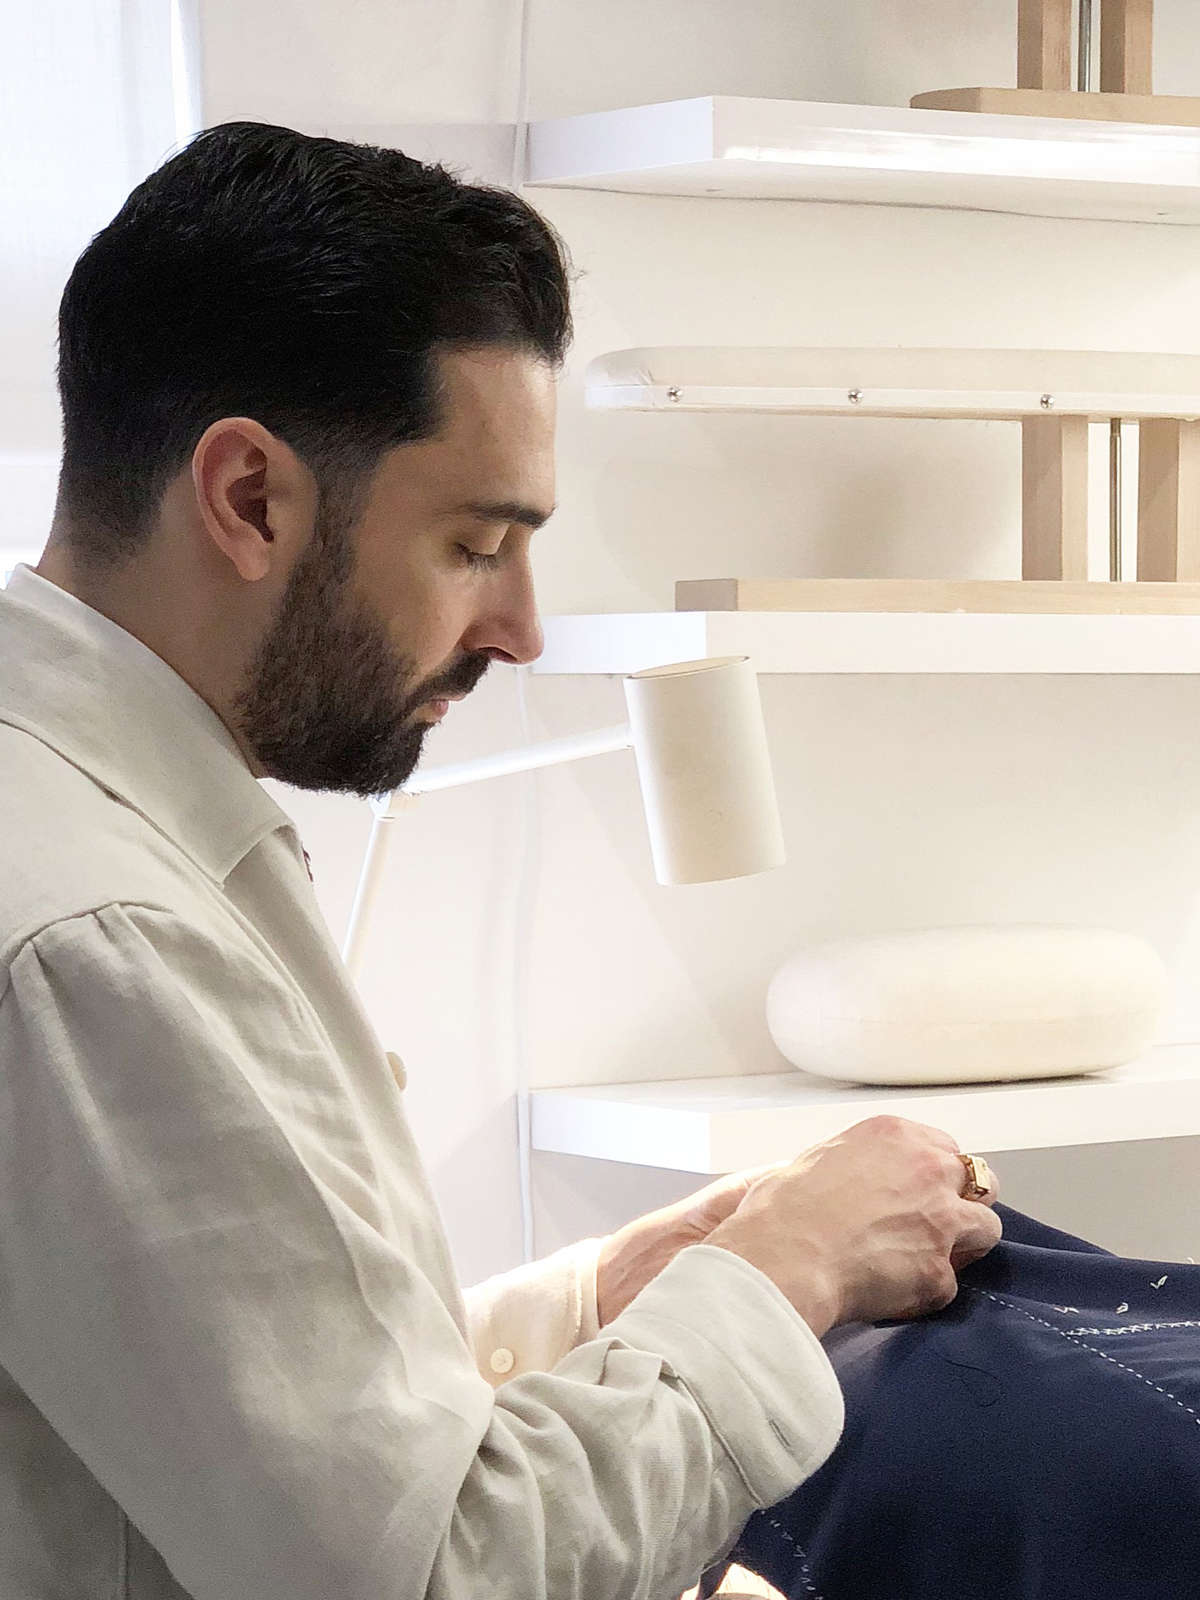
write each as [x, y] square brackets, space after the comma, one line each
[308, 396]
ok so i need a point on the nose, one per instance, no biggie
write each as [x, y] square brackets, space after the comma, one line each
[508, 626]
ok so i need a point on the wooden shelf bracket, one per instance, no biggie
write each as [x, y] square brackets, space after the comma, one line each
[1054, 498]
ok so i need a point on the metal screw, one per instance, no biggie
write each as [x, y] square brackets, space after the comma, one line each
[854, 396]
[672, 393]
[1047, 401]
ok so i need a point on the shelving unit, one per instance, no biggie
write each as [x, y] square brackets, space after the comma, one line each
[1052, 394]
[874, 642]
[882, 155]
[725, 146]
[715, 1125]
[983, 385]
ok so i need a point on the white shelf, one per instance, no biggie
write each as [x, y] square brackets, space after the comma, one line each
[873, 642]
[986, 384]
[714, 1125]
[885, 155]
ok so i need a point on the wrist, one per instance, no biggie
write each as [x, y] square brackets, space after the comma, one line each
[810, 1290]
[629, 1259]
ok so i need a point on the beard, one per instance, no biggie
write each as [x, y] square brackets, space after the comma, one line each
[329, 702]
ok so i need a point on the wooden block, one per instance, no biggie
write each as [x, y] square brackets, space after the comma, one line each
[1044, 44]
[1173, 110]
[997, 596]
[1169, 501]
[1127, 46]
[1054, 494]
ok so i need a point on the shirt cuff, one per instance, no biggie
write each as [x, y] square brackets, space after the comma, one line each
[527, 1320]
[754, 1366]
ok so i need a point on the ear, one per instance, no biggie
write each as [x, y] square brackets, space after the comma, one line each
[256, 498]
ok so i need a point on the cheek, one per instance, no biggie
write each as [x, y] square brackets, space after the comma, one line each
[426, 627]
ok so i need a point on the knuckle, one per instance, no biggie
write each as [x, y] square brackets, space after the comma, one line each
[886, 1125]
[939, 1285]
[930, 1171]
[944, 1222]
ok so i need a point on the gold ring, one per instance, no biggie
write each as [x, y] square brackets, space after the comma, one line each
[979, 1177]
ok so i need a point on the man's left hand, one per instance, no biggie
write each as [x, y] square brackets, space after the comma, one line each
[640, 1250]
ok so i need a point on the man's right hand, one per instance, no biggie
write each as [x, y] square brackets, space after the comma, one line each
[865, 1227]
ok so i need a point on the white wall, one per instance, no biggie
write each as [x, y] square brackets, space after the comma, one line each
[908, 801]
[89, 107]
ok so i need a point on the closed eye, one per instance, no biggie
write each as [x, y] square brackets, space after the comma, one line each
[478, 560]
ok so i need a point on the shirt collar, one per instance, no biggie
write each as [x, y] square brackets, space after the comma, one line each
[86, 687]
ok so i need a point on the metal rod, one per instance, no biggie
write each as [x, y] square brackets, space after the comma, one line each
[602, 743]
[1083, 66]
[364, 898]
[1114, 500]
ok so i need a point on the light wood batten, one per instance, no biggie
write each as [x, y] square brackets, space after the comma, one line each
[1167, 110]
[1126, 46]
[1169, 501]
[1044, 44]
[1044, 77]
[1054, 497]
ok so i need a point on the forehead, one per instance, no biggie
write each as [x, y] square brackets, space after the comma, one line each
[495, 440]
[497, 410]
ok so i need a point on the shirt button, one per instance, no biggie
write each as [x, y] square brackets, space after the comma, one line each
[399, 1071]
[503, 1360]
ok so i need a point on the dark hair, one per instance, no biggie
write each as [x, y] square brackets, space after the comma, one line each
[305, 282]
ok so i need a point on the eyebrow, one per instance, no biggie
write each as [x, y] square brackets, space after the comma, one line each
[504, 511]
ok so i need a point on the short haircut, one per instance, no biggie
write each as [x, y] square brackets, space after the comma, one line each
[308, 283]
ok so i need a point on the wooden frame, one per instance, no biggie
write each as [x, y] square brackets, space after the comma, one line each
[1044, 56]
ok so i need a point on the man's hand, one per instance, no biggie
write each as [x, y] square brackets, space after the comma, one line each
[867, 1227]
[640, 1250]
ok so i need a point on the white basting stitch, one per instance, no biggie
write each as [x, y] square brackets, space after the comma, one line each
[1103, 1354]
[1131, 1327]
[801, 1557]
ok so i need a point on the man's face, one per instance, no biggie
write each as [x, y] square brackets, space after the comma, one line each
[409, 604]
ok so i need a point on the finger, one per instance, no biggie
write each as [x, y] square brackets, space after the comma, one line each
[748, 1177]
[980, 1232]
[753, 1174]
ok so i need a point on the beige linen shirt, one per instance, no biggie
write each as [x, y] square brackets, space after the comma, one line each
[234, 1361]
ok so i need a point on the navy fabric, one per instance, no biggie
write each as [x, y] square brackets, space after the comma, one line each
[1040, 1437]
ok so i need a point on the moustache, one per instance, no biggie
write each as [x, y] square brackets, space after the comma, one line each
[459, 682]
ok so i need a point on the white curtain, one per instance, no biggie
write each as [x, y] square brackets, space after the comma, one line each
[93, 95]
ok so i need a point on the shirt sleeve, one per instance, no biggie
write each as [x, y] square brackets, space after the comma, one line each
[528, 1319]
[212, 1306]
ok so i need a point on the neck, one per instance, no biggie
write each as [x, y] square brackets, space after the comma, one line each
[171, 611]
